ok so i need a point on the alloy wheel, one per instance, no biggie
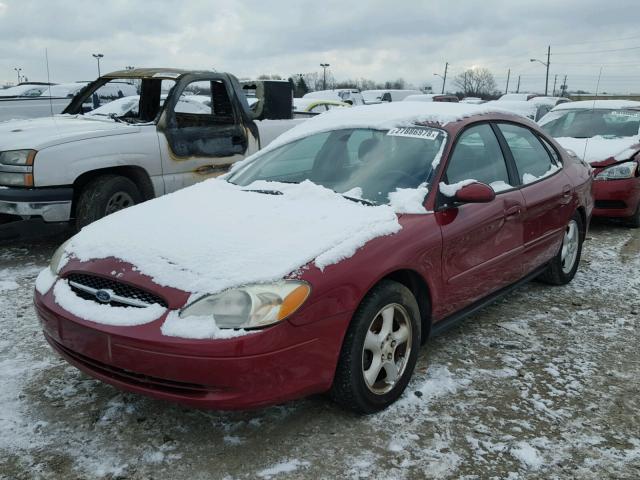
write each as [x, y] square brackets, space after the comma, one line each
[118, 201]
[387, 347]
[570, 242]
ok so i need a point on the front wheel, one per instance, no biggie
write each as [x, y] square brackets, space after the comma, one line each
[379, 351]
[103, 196]
[634, 220]
[564, 265]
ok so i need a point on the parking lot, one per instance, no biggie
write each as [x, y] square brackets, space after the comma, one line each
[542, 384]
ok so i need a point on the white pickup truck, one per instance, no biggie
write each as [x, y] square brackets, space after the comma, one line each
[95, 159]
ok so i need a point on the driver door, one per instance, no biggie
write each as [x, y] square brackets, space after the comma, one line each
[482, 243]
[202, 133]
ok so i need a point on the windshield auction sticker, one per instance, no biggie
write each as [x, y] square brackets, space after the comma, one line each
[425, 133]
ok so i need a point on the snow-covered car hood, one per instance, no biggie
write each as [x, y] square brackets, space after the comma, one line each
[598, 149]
[216, 235]
[39, 133]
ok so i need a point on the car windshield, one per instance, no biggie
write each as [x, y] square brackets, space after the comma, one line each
[590, 123]
[363, 163]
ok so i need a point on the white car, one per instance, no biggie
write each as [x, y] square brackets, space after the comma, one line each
[347, 95]
[431, 97]
[27, 90]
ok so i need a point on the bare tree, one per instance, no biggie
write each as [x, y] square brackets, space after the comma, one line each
[478, 82]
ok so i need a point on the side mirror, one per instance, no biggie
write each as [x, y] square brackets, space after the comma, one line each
[475, 193]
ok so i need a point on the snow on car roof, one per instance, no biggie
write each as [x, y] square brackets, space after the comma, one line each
[601, 104]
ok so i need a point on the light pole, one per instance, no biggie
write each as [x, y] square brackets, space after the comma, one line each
[98, 56]
[546, 64]
[18, 70]
[444, 78]
[324, 75]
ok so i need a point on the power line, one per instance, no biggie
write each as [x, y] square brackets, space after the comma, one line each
[601, 41]
[597, 51]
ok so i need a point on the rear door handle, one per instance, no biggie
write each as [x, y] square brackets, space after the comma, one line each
[566, 194]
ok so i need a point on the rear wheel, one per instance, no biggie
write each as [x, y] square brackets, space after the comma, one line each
[103, 196]
[379, 351]
[564, 265]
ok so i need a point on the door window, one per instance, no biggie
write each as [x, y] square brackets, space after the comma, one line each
[531, 157]
[204, 103]
[477, 155]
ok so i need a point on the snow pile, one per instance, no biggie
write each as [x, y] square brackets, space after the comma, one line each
[215, 235]
[409, 200]
[452, 190]
[282, 467]
[105, 314]
[528, 455]
[600, 148]
[198, 327]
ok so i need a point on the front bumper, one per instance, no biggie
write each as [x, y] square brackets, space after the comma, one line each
[50, 204]
[277, 364]
[616, 198]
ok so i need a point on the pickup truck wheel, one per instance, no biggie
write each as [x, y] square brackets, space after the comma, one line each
[103, 196]
[564, 265]
[379, 351]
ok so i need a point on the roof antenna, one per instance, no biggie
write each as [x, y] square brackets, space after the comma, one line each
[593, 108]
[46, 56]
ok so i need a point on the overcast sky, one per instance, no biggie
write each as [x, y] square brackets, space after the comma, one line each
[381, 40]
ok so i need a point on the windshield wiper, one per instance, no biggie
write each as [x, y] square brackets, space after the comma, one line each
[360, 200]
[266, 192]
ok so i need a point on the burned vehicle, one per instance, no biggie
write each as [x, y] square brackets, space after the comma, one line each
[96, 157]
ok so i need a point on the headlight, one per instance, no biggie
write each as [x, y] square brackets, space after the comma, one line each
[17, 157]
[16, 168]
[251, 306]
[619, 172]
[56, 259]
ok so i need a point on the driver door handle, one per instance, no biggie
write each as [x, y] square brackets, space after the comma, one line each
[512, 212]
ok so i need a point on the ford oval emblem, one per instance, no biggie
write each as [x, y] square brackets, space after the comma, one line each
[103, 296]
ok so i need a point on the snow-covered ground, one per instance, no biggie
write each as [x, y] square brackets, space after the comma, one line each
[544, 384]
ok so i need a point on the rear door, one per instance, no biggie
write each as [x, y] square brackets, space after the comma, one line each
[201, 133]
[482, 242]
[546, 189]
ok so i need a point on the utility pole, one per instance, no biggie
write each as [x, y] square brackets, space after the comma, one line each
[563, 87]
[98, 56]
[324, 75]
[546, 64]
[18, 70]
[546, 84]
[444, 80]
[518, 87]
[555, 79]
[506, 90]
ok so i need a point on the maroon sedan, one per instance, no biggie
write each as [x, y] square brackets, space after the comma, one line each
[322, 263]
[605, 133]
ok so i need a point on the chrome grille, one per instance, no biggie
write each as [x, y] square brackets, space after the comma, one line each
[137, 296]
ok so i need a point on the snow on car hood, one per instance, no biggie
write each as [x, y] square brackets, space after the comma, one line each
[216, 235]
[600, 148]
[39, 133]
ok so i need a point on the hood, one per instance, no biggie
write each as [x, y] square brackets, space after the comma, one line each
[216, 235]
[39, 133]
[600, 150]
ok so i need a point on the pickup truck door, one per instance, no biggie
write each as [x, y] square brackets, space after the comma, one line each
[202, 131]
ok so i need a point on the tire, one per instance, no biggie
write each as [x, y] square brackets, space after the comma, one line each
[350, 386]
[634, 220]
[104, 195]
[559, 272]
